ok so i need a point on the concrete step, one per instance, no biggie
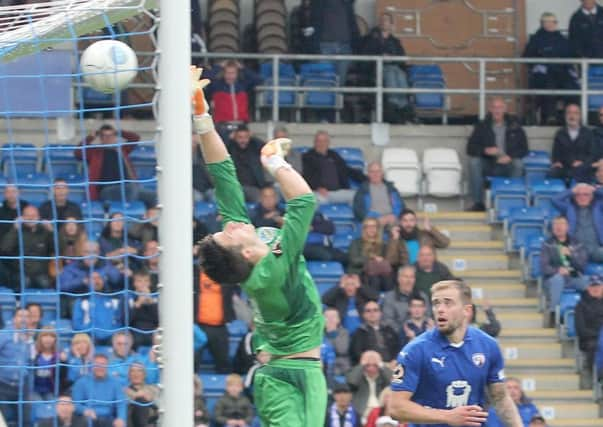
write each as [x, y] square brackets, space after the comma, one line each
[520, 320]
[564, 411]
[462, 262]
[515, 350]
[541, 382]
[506, 305]
[473, 247]
[576, 422]
[479, 277]
[491, 291]
[552, 397]
[545, 365]
[475, 232]
[535, 334]
[444, 218]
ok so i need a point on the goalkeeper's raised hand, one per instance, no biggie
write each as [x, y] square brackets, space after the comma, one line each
[202, 120]
[273, 154]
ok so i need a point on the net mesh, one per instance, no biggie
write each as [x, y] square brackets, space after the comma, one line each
[78, 227]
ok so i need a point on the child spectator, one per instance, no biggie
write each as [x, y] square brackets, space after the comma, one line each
[201, 412]
[78, 359]
[72, 237]
[341, 413]
[45, 375]
[233, 409]
[144, 311]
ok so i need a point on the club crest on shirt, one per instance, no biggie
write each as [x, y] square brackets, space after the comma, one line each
[398, 375]
[479, 359]
[271, 236]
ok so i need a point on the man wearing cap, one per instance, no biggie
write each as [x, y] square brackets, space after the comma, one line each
[589, 320]
[341, 413]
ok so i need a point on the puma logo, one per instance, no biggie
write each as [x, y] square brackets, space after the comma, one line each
[438, 361]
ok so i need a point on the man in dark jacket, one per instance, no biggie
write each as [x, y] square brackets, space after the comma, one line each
[586, 30]
[573, 147]
[583, 208]
[9, 210]
[63, 207]
[319, 246]
[37, 242]
[245, 152]
[348, 298]
[548, 42]
[377, 198]
[429, 270]
[496, 147]
[327, 173]
[374, 334]
[589, 320]
[301, 31]
[562, 261]
[268, 213]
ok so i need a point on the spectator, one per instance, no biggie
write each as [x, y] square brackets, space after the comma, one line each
[75, 277]
[527, 410]
[335, 31]
[396, 302]
[11, 208]
[229, 92]
[100, 313]
[65, 415]
[100, 398]
[108, 162]
[417, 321]
[598, 142]
[348, 298]
[381, 41]
[339, 339]
[78, 359]
[377, 198]
[62, 207]
[598, 181]
[29, 238]
[301, 31]
[375, 335]
[583, 208]
[261, 358]
[327, 173]
[599, 356]
[586, 30]
[245, 152]
[572, 154]
[549, 42]
[589, 321]
[122, 356]
[72, 240]
[407, 238]
[367, 380]
[496, 147]
[144, 310]
[318, 245]
[36, 312]
[141, 411]
[537, 421]
[245, 357]
[16, 347]
[492, 325]
[150, 362]
[366, 256]
[113, 240]
[233, 409]
[214, 311]
[46, 379]
[146, 230]
[375, 417]
[341, 413]
[150, 252]
[429, 270]
[202, 183]
[268, 213]
[294, 157]
[199, 342]
[201, 412]
[562, 259]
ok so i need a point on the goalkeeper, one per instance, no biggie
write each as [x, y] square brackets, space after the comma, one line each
[290, 390]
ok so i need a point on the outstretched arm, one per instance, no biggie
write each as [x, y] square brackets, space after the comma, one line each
[505, 408]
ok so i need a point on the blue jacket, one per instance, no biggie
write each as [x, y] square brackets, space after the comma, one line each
[72, 277]
[565, 204]
[14, 356]
[91, 393]
[526, 411]
[362, 201]
[119, 367]
[152, 370]
[77, 367]
[100, 315]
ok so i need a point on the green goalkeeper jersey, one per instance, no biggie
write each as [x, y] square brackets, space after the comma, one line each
[287, 308]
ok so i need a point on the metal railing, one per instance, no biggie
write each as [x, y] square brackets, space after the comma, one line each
[482, 91]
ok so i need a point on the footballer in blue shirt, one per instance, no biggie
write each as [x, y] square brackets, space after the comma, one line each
[443, 375]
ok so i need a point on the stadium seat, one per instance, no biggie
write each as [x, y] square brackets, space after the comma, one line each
[129, 209]
[521, 224]
[205, 209]
[354, 157]
[34, 186]
[41, 410]
[320, 74]
[401, 166]
[94, 228]
[567, 302]
[213, 383]
[595, 82]
[343, 241]
[341, 214]
[427, 77]
[569, 325]
[443, 172]
[287, 77]
[58, 160]
[594, 269]
[536, 165]
[325, 272]
[323, 287]
[19, 159]
[505, 194]
[237, 328]
[94, 209]
[542, 191]
[8, 303]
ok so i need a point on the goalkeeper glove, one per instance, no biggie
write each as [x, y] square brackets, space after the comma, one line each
[202, 120]
[273, 154]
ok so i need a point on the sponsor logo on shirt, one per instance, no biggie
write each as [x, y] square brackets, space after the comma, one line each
[479, 359]
[457, 394]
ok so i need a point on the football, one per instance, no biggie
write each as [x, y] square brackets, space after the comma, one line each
[108, 65]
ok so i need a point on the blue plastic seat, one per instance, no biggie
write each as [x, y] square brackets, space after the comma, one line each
[284, 70]
[143, 153]
[205, 209]
[426, 77]
[8, 303]
[19, 159]
[354, 157]
[569, 324]
[213, 383]
[534, 265]
[286, 98]
[537, 159]
[237, 328]
[595, 82]
[594, 269]
[323, 287]
[343, 241]
[59, 161]
[504, 204]
[522, 224]
[337, 212]
[42, 410]
[568, 301]
[320, 99]
[94, 209]
[330, 271]
[135, 209]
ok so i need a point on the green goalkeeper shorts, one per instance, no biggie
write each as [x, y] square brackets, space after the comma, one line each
[291, 393]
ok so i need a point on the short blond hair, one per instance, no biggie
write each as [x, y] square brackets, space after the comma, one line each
[234, 379]
[459, 285]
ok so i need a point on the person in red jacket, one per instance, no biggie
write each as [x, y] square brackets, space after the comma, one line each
[101, 153]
